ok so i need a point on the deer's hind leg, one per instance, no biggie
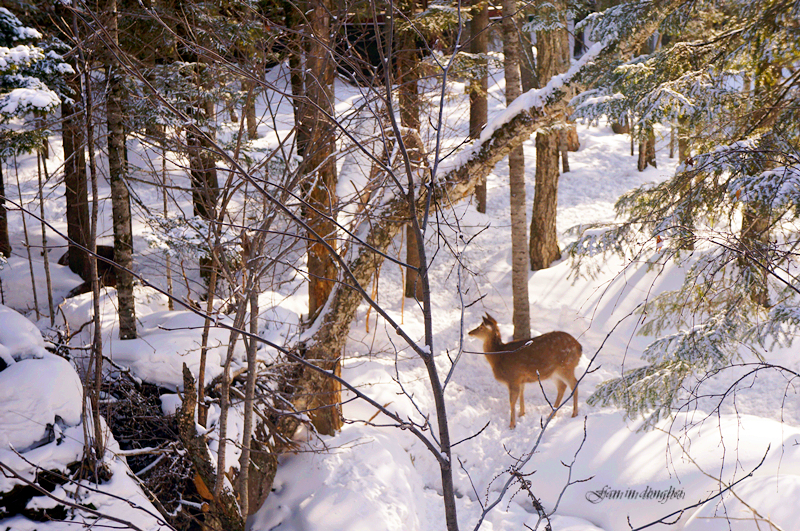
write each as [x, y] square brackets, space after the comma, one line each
[522, 399]
[561, 386]
[513, 395]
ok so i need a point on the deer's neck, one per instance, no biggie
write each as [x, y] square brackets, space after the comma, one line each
[493, 344]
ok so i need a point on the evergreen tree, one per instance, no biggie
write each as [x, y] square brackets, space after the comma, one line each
[729, 213]
[29, 82]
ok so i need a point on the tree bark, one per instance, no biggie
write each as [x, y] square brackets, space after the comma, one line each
[249, 404]
[202, 163]
[224, 515]
[647, 149]
[75, 185]
[544, 239]
[5, 243]
[409, 106]
[479, 85]
[319, 168]
[552, 58]
[250, 110]
[516, 174]
[120, 198]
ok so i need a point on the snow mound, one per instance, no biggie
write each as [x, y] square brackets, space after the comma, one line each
[36, 395]
[755, 504]
[41, 430]
[366, 483]
[19, 338]
[37, 389]
[166, 339]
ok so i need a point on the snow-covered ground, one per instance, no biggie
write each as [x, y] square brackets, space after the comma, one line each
[598, 471]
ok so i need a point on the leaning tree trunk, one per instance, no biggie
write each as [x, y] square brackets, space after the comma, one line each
[552, 59]
[516, 177]
[479, 85]
[120, 198]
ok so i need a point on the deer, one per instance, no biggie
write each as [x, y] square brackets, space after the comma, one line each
[551, 355]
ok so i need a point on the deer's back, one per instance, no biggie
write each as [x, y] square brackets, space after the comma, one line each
[527, 360]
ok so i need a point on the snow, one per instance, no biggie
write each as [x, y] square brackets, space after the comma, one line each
[166, 339]
[41, 428]
[382, 478]
[367, 482]
[25, 416]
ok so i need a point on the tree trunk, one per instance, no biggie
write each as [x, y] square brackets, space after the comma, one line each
[120, 198]
[755, 248]
[250, 109]
[319, 168]
[479, 85]
[647, 149]
[408, 71]
[527, 63]
[563, 149]
[249, 399]
[224, 514]
[202, 163]
[409, 106]
[76, 189]
[5, 243]
[552, 58]
[516, 173]
[544, 239]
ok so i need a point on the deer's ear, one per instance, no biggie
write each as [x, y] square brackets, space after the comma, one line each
[490, 319]
[485, 320]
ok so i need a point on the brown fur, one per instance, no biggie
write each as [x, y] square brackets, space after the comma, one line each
[551, 355]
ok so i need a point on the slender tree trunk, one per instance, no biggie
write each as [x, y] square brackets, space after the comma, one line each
[5, 243]
[479, 86]
[27, 240]
[96, 359]
[225, 514]
[224, 401]
[250, 110]
[120, 198]
[249, 399]
[516, 173]
[42, 167]
[202, 411]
